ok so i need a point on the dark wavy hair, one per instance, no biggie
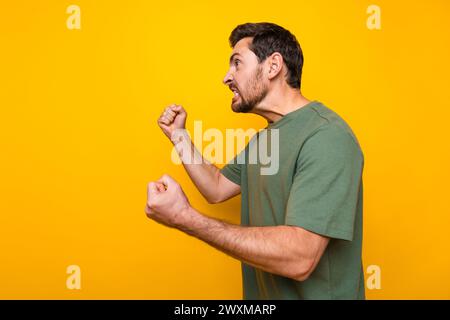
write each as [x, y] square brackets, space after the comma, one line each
[269, 38]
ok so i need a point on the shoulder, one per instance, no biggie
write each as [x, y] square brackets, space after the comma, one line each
[331, 145]
[331, 129]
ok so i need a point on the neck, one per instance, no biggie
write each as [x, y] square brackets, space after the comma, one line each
[278, 103]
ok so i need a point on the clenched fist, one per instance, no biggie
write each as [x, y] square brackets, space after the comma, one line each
[167, 203]
[172, 118]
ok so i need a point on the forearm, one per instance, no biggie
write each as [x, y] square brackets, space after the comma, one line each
[267, 248]
[204, 174]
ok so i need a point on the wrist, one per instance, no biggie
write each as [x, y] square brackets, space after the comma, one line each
[190, 217]
[179, 135]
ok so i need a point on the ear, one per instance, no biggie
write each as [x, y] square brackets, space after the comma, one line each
[275, 64]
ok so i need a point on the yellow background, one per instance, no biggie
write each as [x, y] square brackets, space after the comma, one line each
[79, 139]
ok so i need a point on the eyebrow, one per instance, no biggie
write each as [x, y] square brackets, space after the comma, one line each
[234, 54]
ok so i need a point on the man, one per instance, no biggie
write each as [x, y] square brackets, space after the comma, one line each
[301, 228]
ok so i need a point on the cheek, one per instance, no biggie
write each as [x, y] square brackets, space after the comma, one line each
[242, 78]
[243, 83]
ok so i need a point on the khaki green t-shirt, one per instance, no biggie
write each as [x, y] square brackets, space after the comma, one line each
[317, 186]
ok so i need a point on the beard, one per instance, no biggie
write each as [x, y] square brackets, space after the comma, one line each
[257, 91]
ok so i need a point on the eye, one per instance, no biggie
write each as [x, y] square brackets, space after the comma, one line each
[237, 62]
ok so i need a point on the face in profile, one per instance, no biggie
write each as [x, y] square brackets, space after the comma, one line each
[245, 78]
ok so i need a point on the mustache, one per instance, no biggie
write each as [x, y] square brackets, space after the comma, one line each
[233, 87]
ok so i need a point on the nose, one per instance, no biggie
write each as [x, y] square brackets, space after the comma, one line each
[228, 78]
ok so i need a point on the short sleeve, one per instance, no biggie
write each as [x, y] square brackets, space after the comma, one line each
[232, 171]
[326, 186]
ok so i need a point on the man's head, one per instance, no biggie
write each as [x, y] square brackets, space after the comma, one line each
[263, 54]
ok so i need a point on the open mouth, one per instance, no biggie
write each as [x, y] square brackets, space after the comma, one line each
[236, 94]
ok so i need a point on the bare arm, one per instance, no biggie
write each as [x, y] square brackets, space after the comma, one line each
[214, 186]
[289, 251]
